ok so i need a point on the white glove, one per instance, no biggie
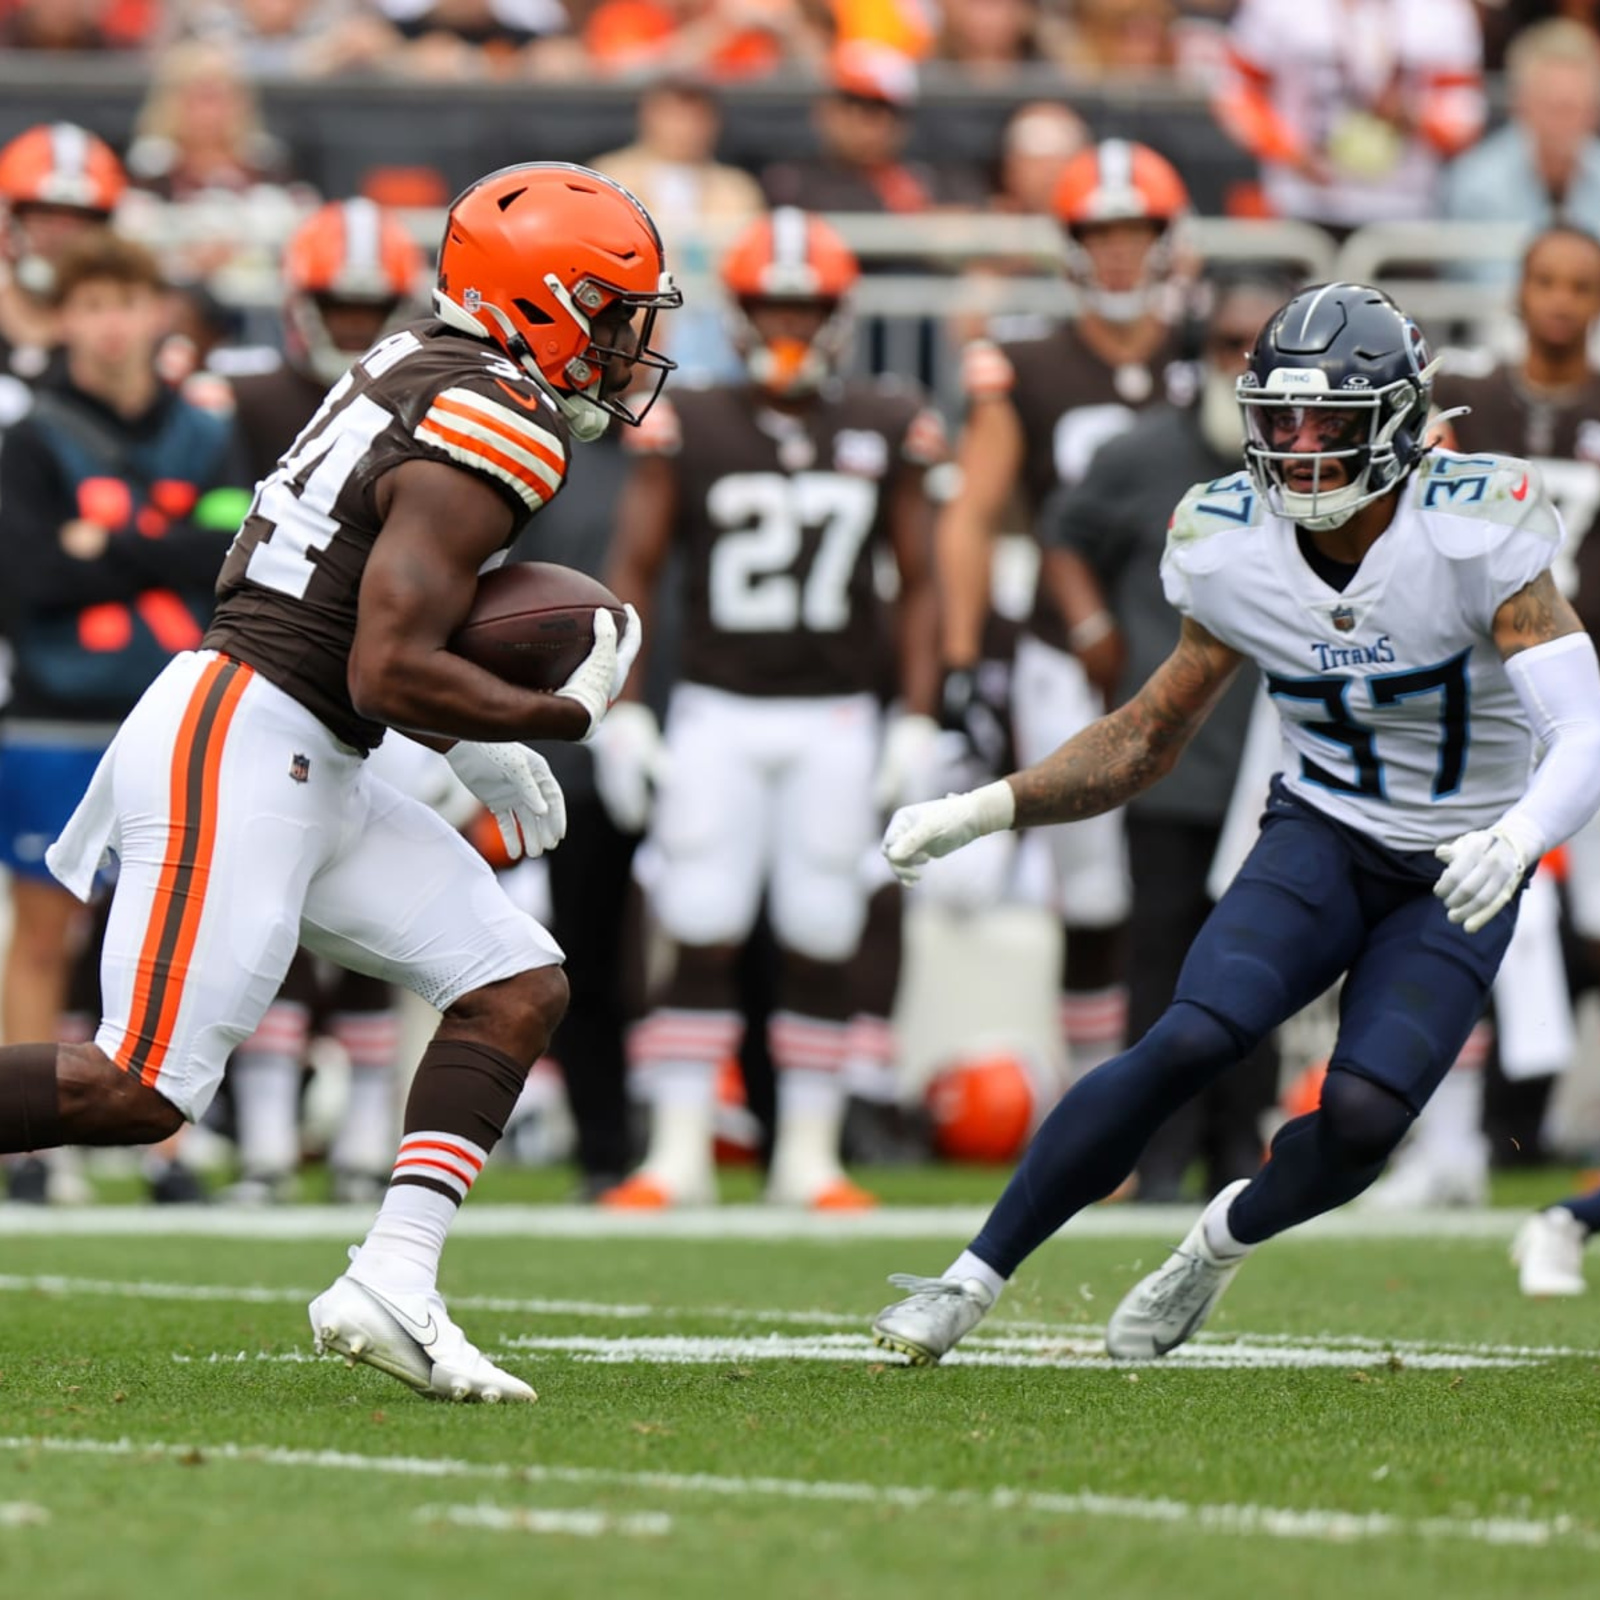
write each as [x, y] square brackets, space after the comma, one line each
[906, 760]
[520, 791]
[600, 677]
[1483, 869]
[630, 760]
[917, 834]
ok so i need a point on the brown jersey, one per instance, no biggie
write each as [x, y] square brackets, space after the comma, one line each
[270, 409]
[288, 590]
[1068, 402]
[779, 518]
[1559, 433]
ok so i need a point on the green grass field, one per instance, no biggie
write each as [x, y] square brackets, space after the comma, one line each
[1372, 1416]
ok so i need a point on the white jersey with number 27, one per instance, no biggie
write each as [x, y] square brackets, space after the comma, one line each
[1398, 716]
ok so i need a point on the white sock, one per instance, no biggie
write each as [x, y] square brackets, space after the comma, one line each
[1094, 1024]
[808, 1054]
[966, 1265]
[682, 1118]
[869, 1070]
[1218, 1236]
[266, 1098]
[366, 1131]
[370, 1124]
[403, 1246]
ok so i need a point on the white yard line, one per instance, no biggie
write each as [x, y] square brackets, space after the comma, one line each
[1086, 1353]
[585, 1523]
[1003, 1336]
[1274, 1522]
[731, 1223]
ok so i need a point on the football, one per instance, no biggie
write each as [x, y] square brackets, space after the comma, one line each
[532, 622]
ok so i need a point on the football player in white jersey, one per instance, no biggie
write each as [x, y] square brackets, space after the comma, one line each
[1399, 604]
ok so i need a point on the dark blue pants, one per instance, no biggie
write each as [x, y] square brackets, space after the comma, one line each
[1314, 900]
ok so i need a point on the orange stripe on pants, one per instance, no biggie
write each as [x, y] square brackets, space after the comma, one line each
[179, 903]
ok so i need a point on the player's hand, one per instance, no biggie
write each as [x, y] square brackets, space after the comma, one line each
[630, 762]
[906, 762]
[965, 708]
[919, 834]
[1484, 869]
[599, 678]
[520, 791]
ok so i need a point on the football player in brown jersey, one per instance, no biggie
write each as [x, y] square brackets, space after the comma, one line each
[1038, 408]
[260, 826]
[778, 493]
[351, 276]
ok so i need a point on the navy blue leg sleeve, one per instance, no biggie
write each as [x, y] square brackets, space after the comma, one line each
[1322, 1160]
[1089, 1143]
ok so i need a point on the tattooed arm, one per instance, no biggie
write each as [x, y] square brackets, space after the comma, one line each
[1122, 754]
[1534, 615]
[1099, 769]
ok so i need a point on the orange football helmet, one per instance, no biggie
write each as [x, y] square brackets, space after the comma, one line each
[531, 255]
[64, 168]
[1120, 181]
[347, 253]
[790, 258]
[983, 1108]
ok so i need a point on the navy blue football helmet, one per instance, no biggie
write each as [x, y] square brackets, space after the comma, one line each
[1345, 359]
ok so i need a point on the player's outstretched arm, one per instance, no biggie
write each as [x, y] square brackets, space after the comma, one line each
[1552, 667]
[1097, 770]
[439, 527]
[1122, 754]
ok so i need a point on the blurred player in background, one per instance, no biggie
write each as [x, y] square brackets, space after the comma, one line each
[1400, 604]
[1038, 409]
[780, 491]
[352, 275]
[264, 828]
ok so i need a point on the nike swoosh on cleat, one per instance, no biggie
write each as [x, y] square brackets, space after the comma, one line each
[424, 1334]
[1183, 1333]
[1521, 490]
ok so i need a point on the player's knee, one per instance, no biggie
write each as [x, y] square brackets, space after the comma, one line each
[1361, 1119]
[517, 1015]
[100, 1104]
[1189, 1036]
[702, 979]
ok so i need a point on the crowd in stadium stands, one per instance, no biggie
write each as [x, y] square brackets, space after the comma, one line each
[116, 503]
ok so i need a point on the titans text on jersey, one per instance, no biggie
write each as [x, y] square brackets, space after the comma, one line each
[1398, 716]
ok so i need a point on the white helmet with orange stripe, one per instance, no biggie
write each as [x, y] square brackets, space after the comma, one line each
[56, 179]
[1121, 207]
[352, 274]
[789, 275]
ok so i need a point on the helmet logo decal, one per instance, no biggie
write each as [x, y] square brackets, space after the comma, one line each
[472, 300]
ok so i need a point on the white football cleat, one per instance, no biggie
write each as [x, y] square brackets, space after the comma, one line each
[1548, 1254]
[934, 1316]
[411, 1337]
[1171, 1305]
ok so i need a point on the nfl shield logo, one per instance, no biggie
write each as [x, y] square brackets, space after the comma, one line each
[1343, 618]
[300, 768]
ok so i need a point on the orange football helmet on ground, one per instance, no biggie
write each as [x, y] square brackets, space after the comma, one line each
[349, 256]
[533, 257]
[1118, 181]
[790, 258]
[983, 1108]
[55, 179]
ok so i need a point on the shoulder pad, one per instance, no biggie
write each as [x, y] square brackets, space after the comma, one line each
[659, 434]
[986, 370]
[509, 432]
[1478, 501]
[1221, 505]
